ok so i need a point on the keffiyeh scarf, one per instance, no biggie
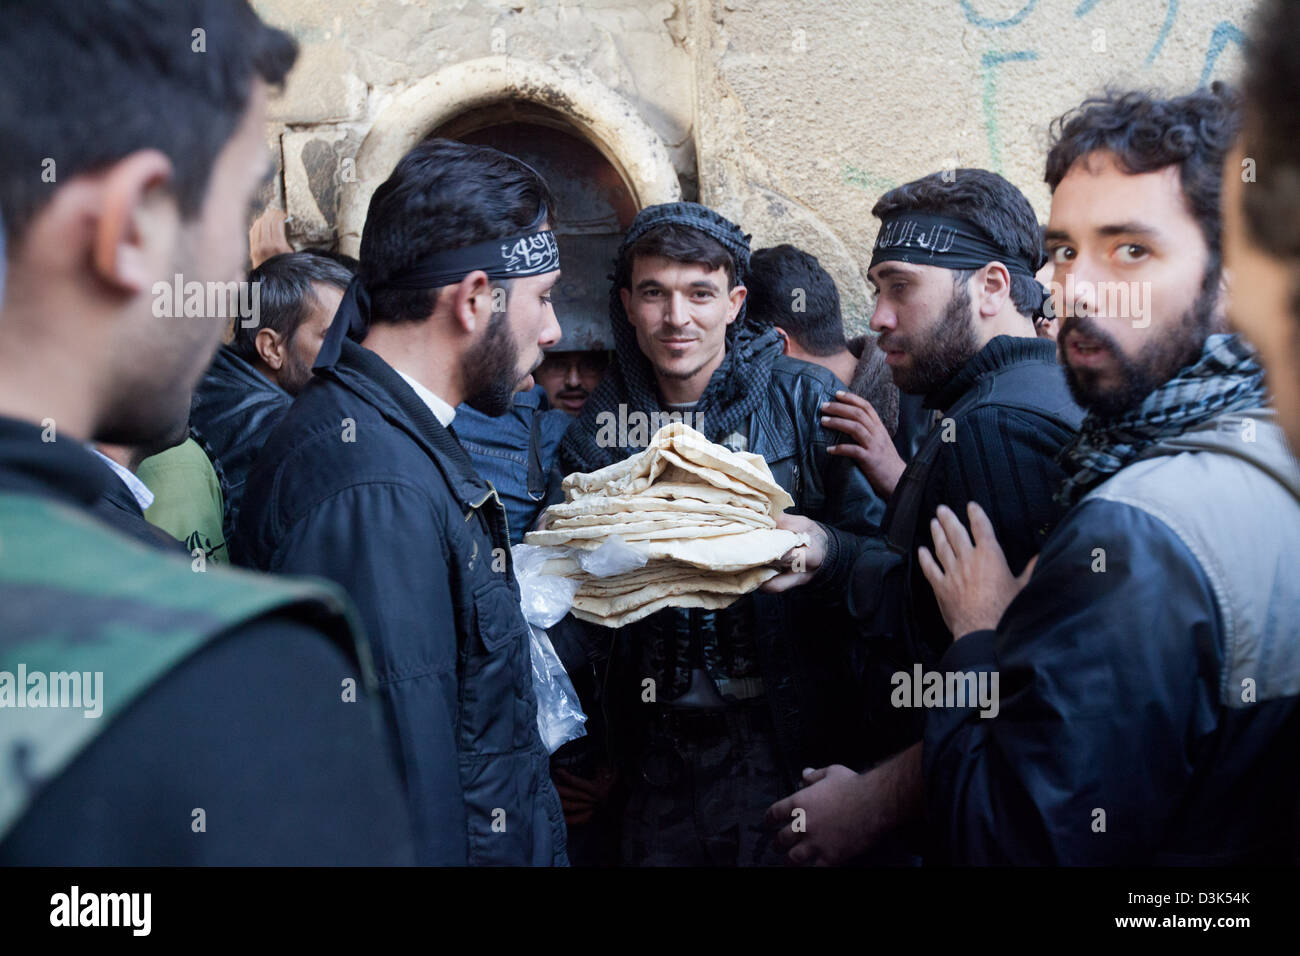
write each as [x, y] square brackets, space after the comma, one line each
[1226, 378]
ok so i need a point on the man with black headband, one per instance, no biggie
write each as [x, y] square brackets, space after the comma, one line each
[739, 699]
[953, 266]
[365, 483]
[1152, 661]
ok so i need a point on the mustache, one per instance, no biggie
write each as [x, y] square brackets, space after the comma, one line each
[1086, 327]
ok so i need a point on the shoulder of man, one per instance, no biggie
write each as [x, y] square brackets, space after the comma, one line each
[199, 769]
[802, 387]
[792, 371]
[330, 440]
[1230, 492]
[136, 614]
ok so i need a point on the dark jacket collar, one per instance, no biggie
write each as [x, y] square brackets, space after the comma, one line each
[230, 368]
[373, 380]
[1001, 352]
[121, 497]
[231, 385]
[62, 468]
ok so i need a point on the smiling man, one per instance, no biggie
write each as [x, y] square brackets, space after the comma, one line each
[1150, 667]
[740, 700]
[363, 482]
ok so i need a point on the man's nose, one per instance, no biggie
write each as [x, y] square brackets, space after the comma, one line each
[572, 378]
[883, 319]
[1079, 290]
[678, 313]
[551, 333]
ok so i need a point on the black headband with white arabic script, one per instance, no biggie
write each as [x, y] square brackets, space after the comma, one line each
[530, 253]
[945, 241]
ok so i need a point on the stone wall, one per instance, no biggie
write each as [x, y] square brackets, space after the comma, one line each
[791, 117]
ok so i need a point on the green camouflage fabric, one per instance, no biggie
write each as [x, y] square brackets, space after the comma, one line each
[77, 598]
[708, 801]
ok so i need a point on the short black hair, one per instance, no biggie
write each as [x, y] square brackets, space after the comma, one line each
[351, 263]
[680, 243]
[991, 203]
[87, 84]
[1270, 132]
[443, 195]
[789, 288]
[285, 295]
[1145, 133]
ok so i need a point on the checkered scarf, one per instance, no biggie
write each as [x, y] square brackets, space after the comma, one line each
[1226, 378]
[734, 392]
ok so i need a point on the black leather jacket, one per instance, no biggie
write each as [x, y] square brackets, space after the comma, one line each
[780, 638]
[235, 408]
[399, 518]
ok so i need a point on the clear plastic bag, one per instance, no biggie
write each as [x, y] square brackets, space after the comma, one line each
[545, 598]
[615, 556]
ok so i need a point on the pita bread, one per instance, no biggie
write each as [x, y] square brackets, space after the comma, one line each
[703, 517]
[729, 552]
[668, 519]
[690, 452]
[712, 602]
[729, 584]
[632, 531]
[645, 503]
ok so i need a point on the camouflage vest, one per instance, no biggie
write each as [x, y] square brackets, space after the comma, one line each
[78, 600]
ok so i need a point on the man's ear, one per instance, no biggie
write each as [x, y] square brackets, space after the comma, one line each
[994, 288]
[1220, 317]
[626, 295]
[737, 297]
[270, 348]
[472, 302]
[136, 222]
[785, 339]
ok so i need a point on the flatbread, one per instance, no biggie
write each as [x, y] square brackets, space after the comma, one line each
[645, 503]
[667, 519]
[689, 452]
[731, 552]
[711, 602]
[702, 516]
[633, 531]
[731, 584]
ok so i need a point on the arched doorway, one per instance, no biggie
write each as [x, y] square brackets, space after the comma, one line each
[600, 116]
[596, 205]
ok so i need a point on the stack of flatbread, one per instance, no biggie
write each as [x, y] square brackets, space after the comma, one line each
[703, 517]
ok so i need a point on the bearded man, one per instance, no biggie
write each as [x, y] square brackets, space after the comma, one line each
[365, 483]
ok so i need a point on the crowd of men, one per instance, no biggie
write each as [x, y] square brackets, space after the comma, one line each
[1046, 614]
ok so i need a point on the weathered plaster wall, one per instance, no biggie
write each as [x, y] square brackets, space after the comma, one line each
[791, 117]
[807, 112]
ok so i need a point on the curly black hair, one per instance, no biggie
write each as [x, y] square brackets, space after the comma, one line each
[1145, 133]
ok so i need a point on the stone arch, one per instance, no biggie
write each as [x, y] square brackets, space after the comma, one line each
[607, 120]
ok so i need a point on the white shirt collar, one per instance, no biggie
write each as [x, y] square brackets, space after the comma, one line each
[143, 496]
[441, 410]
